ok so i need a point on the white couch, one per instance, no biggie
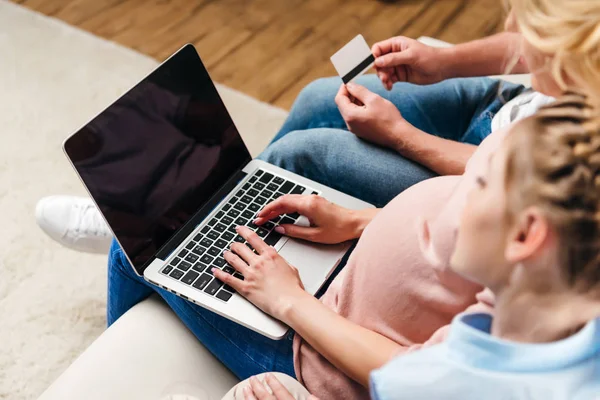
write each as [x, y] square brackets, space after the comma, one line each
[149, 351]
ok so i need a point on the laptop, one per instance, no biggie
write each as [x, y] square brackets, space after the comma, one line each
[172, 177]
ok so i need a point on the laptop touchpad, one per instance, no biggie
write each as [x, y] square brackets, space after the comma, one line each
[314, 261]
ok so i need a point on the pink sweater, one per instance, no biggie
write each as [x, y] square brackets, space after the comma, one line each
[397, 281]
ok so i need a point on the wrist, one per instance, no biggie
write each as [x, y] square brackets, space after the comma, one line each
[447, 62]
[407, 139]
[358, 221]
[290, 304]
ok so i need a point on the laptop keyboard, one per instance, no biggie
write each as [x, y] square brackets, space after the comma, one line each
[193, 264]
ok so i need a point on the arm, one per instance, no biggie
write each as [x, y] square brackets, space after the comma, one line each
[443, 156]
[333, 336]
[488, 56]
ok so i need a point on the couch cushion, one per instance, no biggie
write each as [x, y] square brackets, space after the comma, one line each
[144, 355]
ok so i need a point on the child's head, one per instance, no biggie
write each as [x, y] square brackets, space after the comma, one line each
[535, 213]
[561, 43]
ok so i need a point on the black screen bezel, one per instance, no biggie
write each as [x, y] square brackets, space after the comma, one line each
[163, 71]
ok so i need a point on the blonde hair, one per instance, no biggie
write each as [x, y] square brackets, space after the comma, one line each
[569, 31]
[553, 163]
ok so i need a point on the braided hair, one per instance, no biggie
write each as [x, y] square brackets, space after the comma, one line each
[553, 163]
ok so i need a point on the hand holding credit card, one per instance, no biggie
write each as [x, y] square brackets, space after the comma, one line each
[353, 60]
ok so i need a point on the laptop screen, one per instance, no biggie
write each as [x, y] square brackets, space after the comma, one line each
[157, 155]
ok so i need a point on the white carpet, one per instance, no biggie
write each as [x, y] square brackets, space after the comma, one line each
[53, 78]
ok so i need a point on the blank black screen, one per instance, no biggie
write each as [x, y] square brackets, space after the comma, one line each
[156, 156]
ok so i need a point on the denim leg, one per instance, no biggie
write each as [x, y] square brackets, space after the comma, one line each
[243, 351]
[446, 109]
[340, 160]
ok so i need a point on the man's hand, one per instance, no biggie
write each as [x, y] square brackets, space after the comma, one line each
[329, 223]
[401, 59]
[260, 391]
[373, 118]
[270, 283]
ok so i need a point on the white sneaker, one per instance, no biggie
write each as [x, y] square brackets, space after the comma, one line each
[74, 222]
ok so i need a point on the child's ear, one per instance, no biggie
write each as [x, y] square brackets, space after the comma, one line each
[527, 236]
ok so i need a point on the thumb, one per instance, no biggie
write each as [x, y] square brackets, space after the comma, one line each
[300, 232]
[396, 59]
[359, 92]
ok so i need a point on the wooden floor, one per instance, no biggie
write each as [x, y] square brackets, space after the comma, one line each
[270, 49]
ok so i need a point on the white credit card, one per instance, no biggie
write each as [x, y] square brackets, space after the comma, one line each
[353, 60]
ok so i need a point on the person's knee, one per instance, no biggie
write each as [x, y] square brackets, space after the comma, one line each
[116, 259]
[286, 152]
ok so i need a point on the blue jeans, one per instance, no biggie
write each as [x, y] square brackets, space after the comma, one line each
[314, 141]
[243, 351]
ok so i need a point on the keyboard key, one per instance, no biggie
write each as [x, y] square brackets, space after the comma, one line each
[267, 193]
[259, 186]
[224, 295]
[248, 214]
[182, 253]
[315, 192]
[191, 258]
[254, 207]
[202, 281]
[239, 276]
[260, 200]
[219, 262]
[176, 274]
[220, 228]
[252, 225]
[246, 186]
[298, 189]
[240, 193]
[277, 195]
[286, 220]
[213, 235]
[199, 236]
[213, 251]
[184, 265]
[273, 238]
[266, 178]
[252, 179]
[190, 246]
[269, 225]
[286, 187]
[278, 180]
[294, 216]
[241, 221]
[175, 261]
[227, 220]
[258, 172]
[253, 193]
[204, 230]
[199, 267]
[262, 232]
[221, 244]
[231, 229]
[190, 277]
[226, 207]
[212, 222]
[233, 213]
[229, 289]
[206, 259]
[214, 287]
[228, 236]
[239, 239]
[219, 214]
[167, 269]
[246, 199]
[233, 200]
[272, 187]
[229, 270]
[240, 206]
[199, 250]
[206, 242]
